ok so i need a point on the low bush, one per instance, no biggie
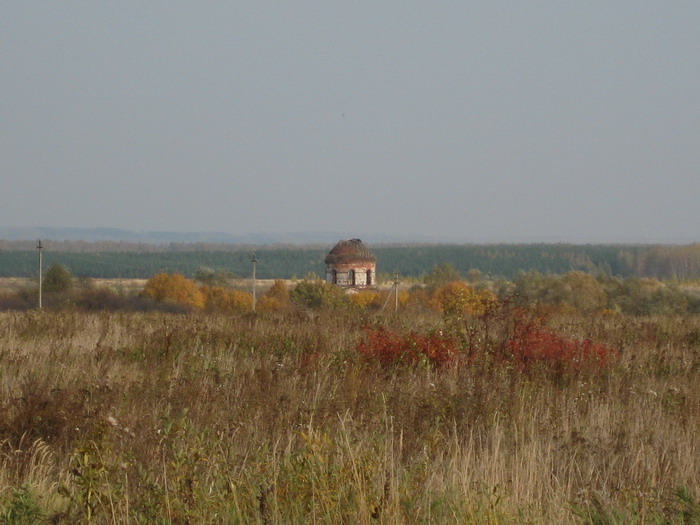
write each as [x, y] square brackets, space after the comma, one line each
[318, 295]
[527, 345]
[101, 299]
[532, 344]
[16, 301]
[391, 348]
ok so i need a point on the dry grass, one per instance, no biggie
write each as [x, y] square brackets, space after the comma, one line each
[126, 286]
[142, 418]
[13, 284]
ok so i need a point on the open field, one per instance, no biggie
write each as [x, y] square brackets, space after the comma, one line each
[135, 286]
[128, 286]
[161, 418]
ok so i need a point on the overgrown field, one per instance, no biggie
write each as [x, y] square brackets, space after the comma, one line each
[348, 417]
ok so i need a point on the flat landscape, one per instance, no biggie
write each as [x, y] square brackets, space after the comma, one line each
[548, 398]
[348, 416]
[350, 263]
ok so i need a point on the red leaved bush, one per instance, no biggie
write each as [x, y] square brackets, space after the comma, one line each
[529, 346]
[391, 348]
[532, 344]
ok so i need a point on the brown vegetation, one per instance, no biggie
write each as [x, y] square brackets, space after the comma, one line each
[278, 418]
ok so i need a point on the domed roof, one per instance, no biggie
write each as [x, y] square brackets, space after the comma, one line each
[350, 251]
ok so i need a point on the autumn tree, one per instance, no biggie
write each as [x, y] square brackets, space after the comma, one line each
[636, 296]
[365, 299]
[457, 299]
[317, 295]
[474, 276]
[418, 298]
[276, 298]
[174, 288]
[378, 300]
[572, 291]
[532, 288]
[219, 299]
[57, 279]
[212, 277]
[583, 292]
[440, 275]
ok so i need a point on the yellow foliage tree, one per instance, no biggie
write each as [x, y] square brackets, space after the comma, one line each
[365, 298]
[380, 299]
[276, 298]
[269, 304]
[219, 299]
[418, 298]
[583, 292]
[173, 288]
[458, 298]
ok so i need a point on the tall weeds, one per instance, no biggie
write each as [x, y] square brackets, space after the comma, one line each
[142, 418]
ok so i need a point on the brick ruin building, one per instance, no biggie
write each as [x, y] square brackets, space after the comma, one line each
[351, 264]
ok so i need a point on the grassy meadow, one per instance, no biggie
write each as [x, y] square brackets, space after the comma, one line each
[118, 417]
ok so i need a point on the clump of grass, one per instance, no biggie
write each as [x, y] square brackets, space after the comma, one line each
[679, 507]
[21, 508]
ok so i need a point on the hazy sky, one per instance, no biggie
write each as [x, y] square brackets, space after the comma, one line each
[470, 121]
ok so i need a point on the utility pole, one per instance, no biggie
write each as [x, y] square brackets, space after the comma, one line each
[254, 261]
[39, 249]
[396, 292]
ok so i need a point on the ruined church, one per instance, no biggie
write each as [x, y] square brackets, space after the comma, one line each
[350, 264]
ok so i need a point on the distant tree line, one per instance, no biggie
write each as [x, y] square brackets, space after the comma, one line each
[584, 293]
[442, 289]
[283, 262]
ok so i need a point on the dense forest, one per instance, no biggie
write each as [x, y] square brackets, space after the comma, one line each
[120, 260]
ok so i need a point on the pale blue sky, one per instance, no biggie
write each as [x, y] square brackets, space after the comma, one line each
[464, 121]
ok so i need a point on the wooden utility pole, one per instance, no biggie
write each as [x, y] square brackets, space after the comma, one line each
[396, 292]
[254, 261]
[39, 248]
